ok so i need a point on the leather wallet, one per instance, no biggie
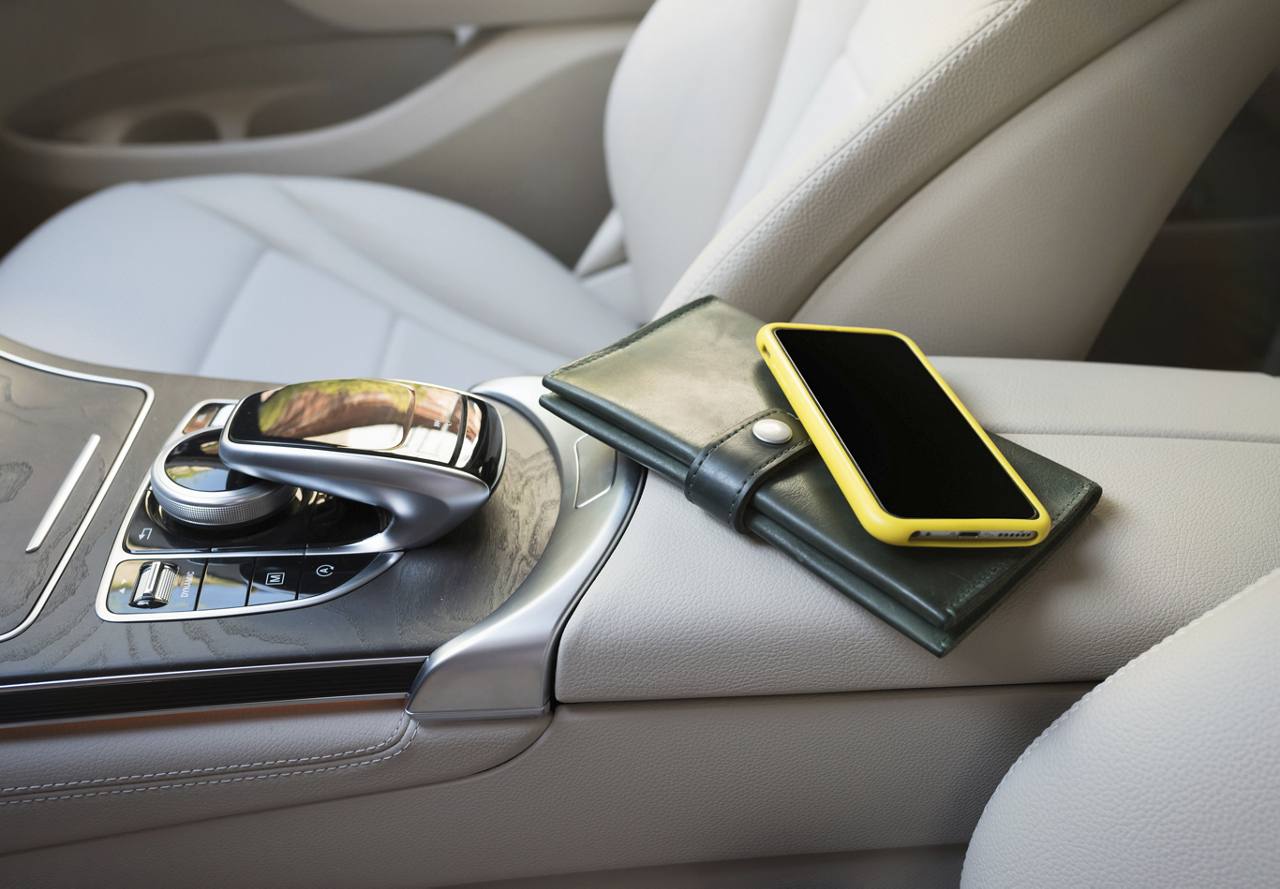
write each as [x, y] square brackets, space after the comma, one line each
[681, 396]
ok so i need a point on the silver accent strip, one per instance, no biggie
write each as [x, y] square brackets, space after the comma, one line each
[120, 554]
[61, 496]
[149, 397]
[122, 678]
[502, 666]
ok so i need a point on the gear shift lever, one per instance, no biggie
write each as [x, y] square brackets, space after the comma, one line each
[428, 455]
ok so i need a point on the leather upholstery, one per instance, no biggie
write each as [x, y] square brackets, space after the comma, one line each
[610, 786]
[906, 90]
[69, 782]
[789, 156]
[1167, 774]
[1037, 228]
[686, 608]
[275, 278]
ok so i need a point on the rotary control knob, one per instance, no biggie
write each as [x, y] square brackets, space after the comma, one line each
[194, 486]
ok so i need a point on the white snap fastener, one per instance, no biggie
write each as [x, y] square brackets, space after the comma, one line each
[769, 431]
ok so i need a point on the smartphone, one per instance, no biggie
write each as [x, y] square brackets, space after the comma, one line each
[915, 466]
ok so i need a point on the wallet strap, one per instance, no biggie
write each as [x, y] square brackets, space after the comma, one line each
[727, 472]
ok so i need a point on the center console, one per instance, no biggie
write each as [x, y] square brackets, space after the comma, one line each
[396, 729]
[175, 542]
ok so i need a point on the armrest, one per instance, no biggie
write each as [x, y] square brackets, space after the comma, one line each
[1189, 462]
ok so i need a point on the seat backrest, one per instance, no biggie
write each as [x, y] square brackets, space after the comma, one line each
[1167, 774]
[984, 174]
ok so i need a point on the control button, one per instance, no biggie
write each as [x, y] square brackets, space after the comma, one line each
[275, 580]
[147, 534]
[323, 574]
[193, 485]
[150, 530]
[226, 585]
[123, 582]
[171, 585]
[156, 581]
[183, 597]
[211, 413]
[596, 464]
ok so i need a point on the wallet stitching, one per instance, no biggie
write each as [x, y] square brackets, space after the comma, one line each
[706, 452]
[772, 462]
[212, 782]
[399, 729]
[633, 338]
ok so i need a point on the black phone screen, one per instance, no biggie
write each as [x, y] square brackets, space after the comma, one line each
[912, 445]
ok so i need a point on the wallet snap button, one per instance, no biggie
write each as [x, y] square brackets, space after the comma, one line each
[770, 431]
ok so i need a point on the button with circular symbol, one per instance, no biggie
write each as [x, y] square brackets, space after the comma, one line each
[323, 574]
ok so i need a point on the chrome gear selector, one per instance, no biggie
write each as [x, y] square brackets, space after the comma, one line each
[428, 455]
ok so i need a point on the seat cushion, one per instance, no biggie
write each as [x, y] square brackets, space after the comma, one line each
[273, 279]
[1167, 774]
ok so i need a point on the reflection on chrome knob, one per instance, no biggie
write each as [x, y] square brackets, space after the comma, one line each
[194, 486]
[428, 455]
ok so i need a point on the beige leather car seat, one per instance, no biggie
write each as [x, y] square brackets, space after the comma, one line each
[1167, 774]
[983, 174]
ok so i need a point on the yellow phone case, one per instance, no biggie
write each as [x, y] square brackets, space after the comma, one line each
[874, 518]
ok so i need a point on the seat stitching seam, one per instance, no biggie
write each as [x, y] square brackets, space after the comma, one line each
[270, 245]
[387, 306]
[390, 739]
[392, 309]
[211, 782]
[954, 54]
[1222, 607]
[235, 297]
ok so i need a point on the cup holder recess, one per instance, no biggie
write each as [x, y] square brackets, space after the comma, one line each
[174, 125]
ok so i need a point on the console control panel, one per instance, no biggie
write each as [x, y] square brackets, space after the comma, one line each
[184, 585]
[313, 549]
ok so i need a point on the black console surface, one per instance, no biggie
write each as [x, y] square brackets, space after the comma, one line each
[428, 597]
[60, 434]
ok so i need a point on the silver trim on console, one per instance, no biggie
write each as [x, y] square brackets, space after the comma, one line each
[63, 493]
[501, 667]
[148, 397]
[198, 672]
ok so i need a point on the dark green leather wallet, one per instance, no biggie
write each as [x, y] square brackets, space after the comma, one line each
[681, 395]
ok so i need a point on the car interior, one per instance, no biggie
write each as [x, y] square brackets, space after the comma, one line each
[395, 490]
